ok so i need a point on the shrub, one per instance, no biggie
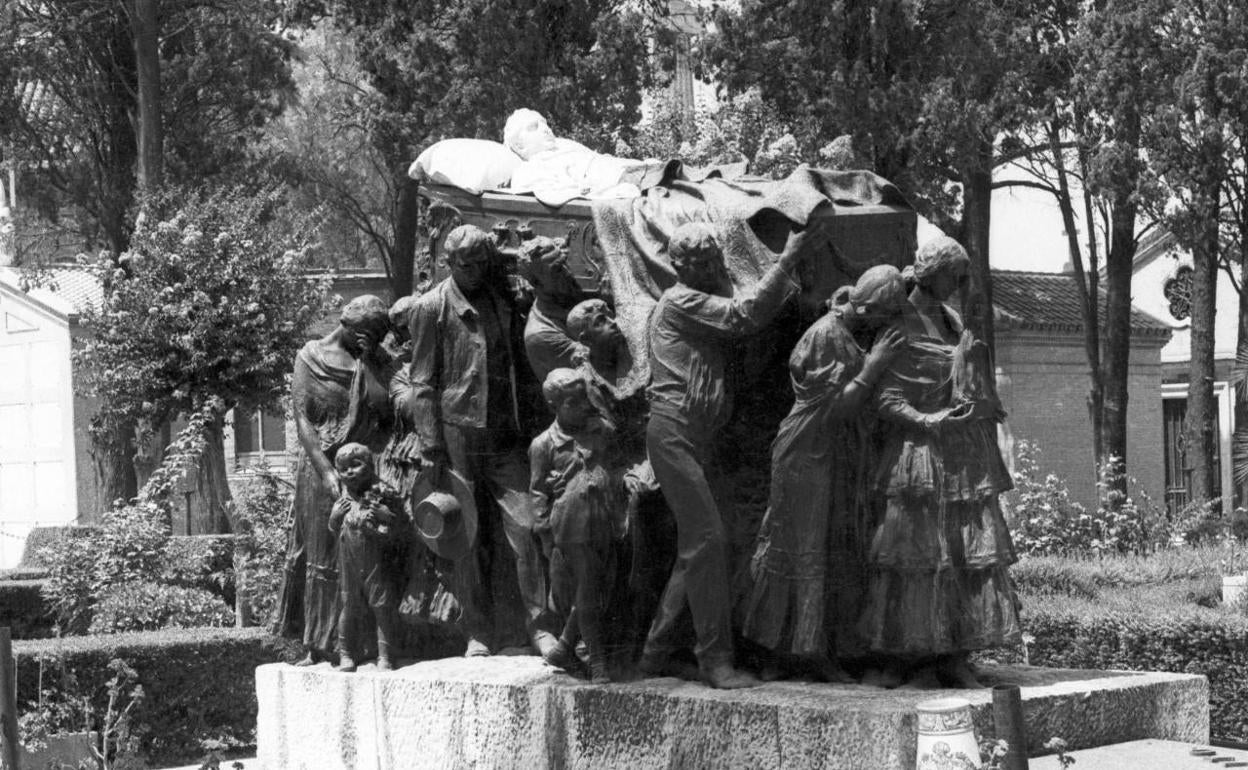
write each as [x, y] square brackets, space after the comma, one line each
[199, 683]
[42, 536]
[128, 546]
[23, 609]
[114, 741]
[261, 513]
[1176, 634]
[205, 562]
[1045, 520]
[121, 568]
[148, 606]
[1084, 612]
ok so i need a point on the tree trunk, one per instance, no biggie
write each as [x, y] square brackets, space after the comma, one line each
[406, 219]
[145, 24]
[1085, 279]
[1116, 354]
[1240, 395]
[114, 466]
[976, 220]
[210, 489]
[1201, 443]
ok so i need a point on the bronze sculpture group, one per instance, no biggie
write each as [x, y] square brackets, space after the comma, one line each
[883, 550]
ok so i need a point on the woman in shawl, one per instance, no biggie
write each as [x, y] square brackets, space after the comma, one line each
[339, 396]
[940, 586]
[807, 567]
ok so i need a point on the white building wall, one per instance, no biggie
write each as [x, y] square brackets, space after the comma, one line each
[37, 462]
[1147, 294]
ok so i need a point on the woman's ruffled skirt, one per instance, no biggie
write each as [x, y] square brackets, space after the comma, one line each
[939, 580]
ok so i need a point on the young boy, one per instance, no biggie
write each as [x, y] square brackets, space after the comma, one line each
[579, 507]
[371, 528]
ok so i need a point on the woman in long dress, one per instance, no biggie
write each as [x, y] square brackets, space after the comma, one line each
[339, 396]
[806, 573]
[940, 586]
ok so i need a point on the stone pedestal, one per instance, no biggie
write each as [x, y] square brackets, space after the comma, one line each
[514, 712]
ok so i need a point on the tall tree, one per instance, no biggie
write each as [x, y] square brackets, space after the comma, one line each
[1192, 144]
[1107, 76]
[77, 96]
[930, 91]
[214, 308]
[145, 22]
[98, 93]
[322, 146]
[457, 68]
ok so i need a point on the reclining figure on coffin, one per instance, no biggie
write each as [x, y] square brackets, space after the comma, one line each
[557, 170]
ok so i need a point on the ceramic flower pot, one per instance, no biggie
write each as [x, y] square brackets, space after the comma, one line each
[946, 736]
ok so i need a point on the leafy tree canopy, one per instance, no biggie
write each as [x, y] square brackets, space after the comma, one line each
[68, 100]
[457, 68]
[211, 301]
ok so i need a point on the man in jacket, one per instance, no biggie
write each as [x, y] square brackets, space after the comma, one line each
[471, 412]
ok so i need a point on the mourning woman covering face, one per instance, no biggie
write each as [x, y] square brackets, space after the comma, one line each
[807, 570]
[939, 583]
[339, 396]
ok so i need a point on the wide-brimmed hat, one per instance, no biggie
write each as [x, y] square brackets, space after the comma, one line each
[446, 517]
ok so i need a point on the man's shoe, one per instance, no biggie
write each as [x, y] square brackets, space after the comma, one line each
[346, 664]
[544, 642]
[477, 649]
[598, 669]
[725, 677]
[560, 656]
[384, 664]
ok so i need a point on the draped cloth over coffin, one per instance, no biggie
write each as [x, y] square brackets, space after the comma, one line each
[633, 234]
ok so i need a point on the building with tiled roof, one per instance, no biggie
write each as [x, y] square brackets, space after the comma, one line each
[1050, 302]
[1044, 382]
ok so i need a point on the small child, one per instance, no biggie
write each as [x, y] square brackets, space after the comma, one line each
[579, 507]
[606, 365]
[371, 526]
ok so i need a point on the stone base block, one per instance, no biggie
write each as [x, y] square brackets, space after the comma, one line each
[514, 712]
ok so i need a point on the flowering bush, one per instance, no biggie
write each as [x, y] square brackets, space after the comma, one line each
[1047, 521]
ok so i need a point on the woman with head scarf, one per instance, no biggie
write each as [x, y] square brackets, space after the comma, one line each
[806, 573]
[339, 395]
[939, 586]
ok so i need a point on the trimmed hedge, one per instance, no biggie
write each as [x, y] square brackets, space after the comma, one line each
[148, 606]
[23, 610]
[199, 682]
[40, 537]
[23, 573]
[1142, 615]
